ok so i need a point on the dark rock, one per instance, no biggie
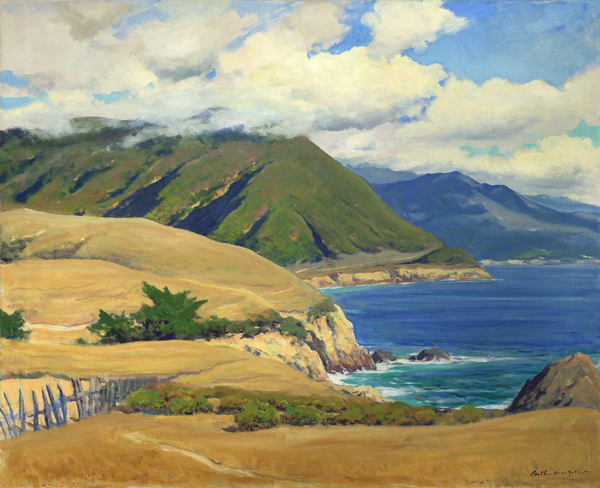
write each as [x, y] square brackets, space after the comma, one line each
[430, 355]
[382, 356]
[570, 382]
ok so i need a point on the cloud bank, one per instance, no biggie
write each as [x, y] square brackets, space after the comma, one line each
[270, 68]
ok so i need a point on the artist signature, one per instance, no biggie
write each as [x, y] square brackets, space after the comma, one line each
[558, 472]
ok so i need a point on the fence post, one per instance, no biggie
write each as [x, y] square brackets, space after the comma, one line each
[10, 433]
[81, 398]
[47, 415]
[120, 385]
[22, 414]
[13, 424]
[112, 403]
[3, 430]
[36, 412]
[55, 409]
[98, 396]
[63, 403]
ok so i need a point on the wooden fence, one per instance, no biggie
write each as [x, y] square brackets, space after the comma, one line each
[102, 396]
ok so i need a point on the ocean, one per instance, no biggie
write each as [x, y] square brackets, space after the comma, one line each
[499, 333]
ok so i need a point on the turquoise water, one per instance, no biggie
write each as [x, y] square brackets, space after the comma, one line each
[499, 333]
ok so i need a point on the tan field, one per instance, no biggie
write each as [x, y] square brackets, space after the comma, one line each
[69, 292]
[207, 365]
[137, 450]
[151, 249]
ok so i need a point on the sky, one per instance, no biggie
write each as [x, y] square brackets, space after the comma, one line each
[506, 92]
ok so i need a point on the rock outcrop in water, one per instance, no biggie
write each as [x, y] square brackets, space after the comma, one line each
[332, 337]
[570, 382]
[431, 354]
[383, 356]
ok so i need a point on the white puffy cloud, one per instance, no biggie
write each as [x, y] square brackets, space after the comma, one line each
[273, 74]
[398, 26]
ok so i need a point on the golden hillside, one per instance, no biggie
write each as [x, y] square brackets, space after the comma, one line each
[72, 266]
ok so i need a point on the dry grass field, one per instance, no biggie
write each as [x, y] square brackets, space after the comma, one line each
[207, 365]
[139, 450]
[242, 279]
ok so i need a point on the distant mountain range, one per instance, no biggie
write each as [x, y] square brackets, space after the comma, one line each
[491, 221]
[564, 204]
[375, 175]
[285, 199]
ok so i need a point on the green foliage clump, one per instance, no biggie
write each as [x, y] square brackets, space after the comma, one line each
[257, 415]
[324, 307]
[303, 415]
[175, 316]
[143, 399]
[114, 329]
[467, 414]
[171, 316]
[185, 402]
[291, 326]
[11, 325]
[261, 410]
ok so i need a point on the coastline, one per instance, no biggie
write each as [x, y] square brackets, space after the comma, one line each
[398, 274]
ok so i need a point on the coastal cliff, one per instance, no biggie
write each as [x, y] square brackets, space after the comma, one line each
[329, 347]
[332, 336]
[405, 274]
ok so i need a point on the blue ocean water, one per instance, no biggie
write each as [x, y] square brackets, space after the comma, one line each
[499, 333]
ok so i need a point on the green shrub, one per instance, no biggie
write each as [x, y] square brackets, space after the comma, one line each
[114, 329]
[425, 416]
[11, 325]
[215, 327]
[467, 414]
[257, 415]
[351, 416]
[256, 324]
[292, 327]
[302, 415]
[231, 404]
[171, 316]
[324, 307]
[143, 399]
[188, 404]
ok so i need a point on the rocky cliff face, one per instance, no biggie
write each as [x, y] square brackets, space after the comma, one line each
[570, 382]
[399, 275]
[332, 337]
[273, 345]
[329, 347]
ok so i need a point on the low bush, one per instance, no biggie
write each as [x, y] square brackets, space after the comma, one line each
[115, 329]
[143, 399]
[257, 415]
[467, 414]
[11, 325]
[324, 307]
[261, 410]
[291, 326]
[303, 415]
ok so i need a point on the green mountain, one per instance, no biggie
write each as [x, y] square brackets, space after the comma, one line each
[286, 199]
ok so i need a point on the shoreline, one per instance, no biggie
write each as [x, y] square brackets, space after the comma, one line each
[398, 275]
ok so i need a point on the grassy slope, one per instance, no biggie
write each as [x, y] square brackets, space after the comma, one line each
[163, 359]
[298, 203]
[118, 449]
[160, 254]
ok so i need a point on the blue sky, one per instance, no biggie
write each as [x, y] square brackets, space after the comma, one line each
[519, 41]
[504, 91]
